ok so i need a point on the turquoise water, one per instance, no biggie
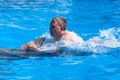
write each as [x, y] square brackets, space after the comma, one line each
[23, 20]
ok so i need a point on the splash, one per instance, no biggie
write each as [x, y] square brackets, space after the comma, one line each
[107, 38]
[103, 43]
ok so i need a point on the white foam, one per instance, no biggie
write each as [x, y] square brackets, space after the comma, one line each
[98, 44]
[108, 38]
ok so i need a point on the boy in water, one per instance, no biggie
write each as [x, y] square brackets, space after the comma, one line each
[57, 31]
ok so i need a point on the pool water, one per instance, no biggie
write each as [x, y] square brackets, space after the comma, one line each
[23, 20]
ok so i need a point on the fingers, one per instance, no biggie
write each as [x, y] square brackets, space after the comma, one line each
[30, 46]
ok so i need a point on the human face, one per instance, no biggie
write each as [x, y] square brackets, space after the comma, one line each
[55, 30]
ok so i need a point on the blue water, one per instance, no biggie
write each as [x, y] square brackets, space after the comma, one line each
[23, 20]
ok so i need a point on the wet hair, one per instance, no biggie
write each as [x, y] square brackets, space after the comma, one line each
[59, 21]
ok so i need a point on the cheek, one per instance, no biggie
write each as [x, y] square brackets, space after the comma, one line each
[55, 30]
[58, 29]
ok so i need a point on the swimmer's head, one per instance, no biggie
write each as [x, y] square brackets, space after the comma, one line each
[57, 27]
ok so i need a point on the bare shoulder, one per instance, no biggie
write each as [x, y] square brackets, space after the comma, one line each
[71, 36]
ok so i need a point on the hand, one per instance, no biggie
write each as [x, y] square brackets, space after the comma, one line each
[29, 47]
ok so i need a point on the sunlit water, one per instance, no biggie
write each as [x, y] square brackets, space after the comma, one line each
[97, 22]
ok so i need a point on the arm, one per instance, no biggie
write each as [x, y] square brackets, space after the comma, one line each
[33, 45]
